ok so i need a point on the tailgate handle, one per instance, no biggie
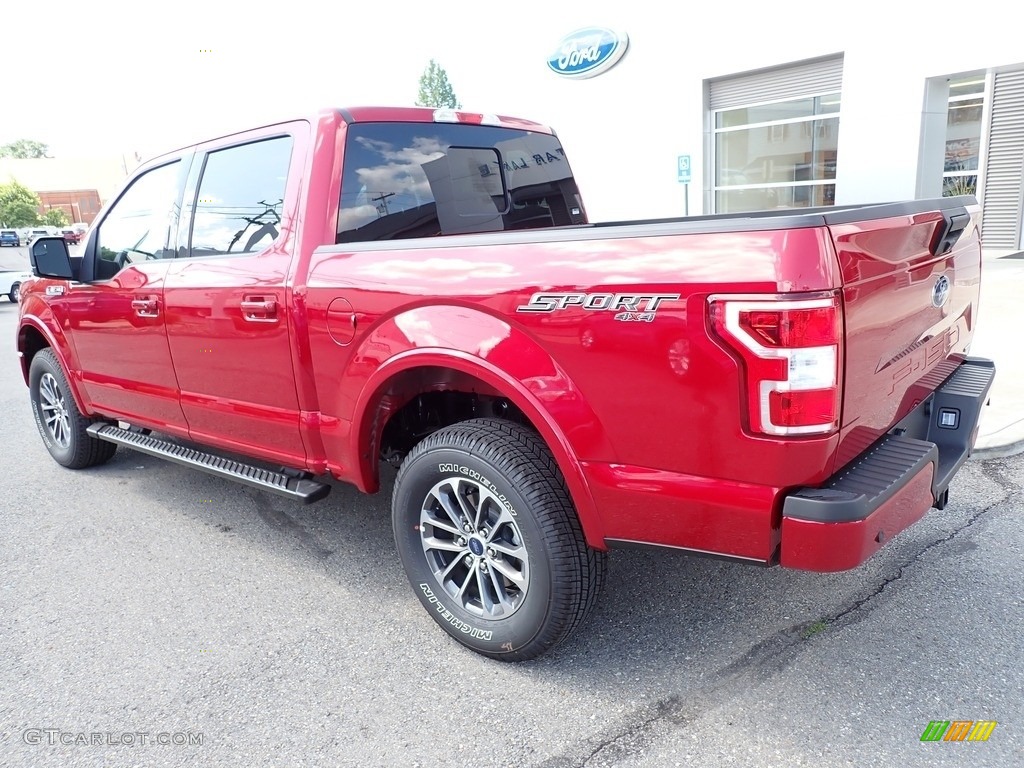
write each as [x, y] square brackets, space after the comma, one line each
[955, 224]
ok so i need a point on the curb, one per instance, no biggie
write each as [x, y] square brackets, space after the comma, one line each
[998, 451]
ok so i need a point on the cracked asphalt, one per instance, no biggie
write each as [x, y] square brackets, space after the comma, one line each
[142, 598]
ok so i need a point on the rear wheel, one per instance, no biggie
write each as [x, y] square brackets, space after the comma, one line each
[15, 293]
[60, 423]
[491, 542]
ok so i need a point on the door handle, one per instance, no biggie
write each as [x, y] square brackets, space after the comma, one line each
[146, 307]
[259, 310]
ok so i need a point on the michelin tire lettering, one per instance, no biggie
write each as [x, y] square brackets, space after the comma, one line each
[472, 474]
[451, 618]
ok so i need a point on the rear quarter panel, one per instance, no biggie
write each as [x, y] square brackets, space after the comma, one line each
[661, 395]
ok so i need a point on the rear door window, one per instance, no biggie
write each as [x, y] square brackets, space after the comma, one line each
[238, 205]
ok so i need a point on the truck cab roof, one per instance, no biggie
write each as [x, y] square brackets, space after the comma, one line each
[384, 114]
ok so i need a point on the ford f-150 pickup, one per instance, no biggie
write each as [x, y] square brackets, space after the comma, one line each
[314, 300]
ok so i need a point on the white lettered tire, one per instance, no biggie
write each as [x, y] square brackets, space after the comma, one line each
[490, 540]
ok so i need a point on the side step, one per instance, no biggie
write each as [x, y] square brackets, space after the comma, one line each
[302, 489]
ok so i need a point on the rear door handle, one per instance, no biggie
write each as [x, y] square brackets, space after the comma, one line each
[259, 310]
[146, 307]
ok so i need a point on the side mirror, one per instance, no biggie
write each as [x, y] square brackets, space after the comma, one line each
[50, 258]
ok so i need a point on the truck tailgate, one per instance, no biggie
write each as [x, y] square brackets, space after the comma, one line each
[910, 287]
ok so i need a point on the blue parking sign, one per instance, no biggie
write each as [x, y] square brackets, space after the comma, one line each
[684, 169]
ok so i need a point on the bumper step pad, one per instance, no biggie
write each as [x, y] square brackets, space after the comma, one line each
[940, 431]
[302, 489]
[865, 484]
[962, 397]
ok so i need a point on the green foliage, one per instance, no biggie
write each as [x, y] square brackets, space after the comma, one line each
[19, 205]
[18, 214]
[56, 217]
[816, 628]
[960, 185]
[435, 90]
[25, 149]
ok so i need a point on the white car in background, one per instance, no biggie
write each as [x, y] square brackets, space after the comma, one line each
[10, 283]
[36, 232]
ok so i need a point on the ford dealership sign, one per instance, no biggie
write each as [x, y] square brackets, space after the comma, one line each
[588, 52]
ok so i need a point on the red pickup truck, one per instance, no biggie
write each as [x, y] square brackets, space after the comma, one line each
[310, 300]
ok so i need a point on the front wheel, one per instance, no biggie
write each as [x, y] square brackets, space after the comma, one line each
[15, 293]
[61, 425]
[490, 540]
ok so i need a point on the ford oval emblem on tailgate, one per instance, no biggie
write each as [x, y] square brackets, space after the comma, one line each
[940, 291]
[588, 52]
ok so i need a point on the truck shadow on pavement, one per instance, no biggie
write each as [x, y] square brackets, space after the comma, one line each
[655, 606]
[711, 621]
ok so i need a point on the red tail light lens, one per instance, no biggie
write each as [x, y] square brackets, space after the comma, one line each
[790, 351]
[811, 327]
[803, 408]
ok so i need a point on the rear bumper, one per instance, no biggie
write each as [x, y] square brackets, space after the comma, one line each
[891, 485]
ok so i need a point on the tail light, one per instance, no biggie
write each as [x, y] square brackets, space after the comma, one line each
[791, 352]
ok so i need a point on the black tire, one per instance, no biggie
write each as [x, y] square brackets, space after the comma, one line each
[517, 496]
[60, 423]
[15, 293]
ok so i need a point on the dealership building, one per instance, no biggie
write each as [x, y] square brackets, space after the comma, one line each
[777, 115]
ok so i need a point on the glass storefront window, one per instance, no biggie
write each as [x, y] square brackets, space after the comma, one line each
[777, 155]
[963, 136]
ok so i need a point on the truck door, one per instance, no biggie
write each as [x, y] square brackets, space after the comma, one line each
[116, 311]
[228, 302]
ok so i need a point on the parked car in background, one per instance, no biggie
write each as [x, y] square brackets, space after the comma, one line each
[10, 284]
[72, 236]
[34, 233]
[9, 237]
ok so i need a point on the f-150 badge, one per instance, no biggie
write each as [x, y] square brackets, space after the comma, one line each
[629, 307]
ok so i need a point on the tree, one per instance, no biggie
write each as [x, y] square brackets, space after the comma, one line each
[19, 205]
[18, 214]
[25, 149]
[435, 90]
[56, 217]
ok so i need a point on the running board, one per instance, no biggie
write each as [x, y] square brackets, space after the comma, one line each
[300, 488]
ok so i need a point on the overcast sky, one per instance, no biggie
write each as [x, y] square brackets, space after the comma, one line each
[136, 75]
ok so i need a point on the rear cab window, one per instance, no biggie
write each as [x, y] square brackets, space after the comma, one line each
[404, 180]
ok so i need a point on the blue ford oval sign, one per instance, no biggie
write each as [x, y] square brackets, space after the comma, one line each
[588, 52]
